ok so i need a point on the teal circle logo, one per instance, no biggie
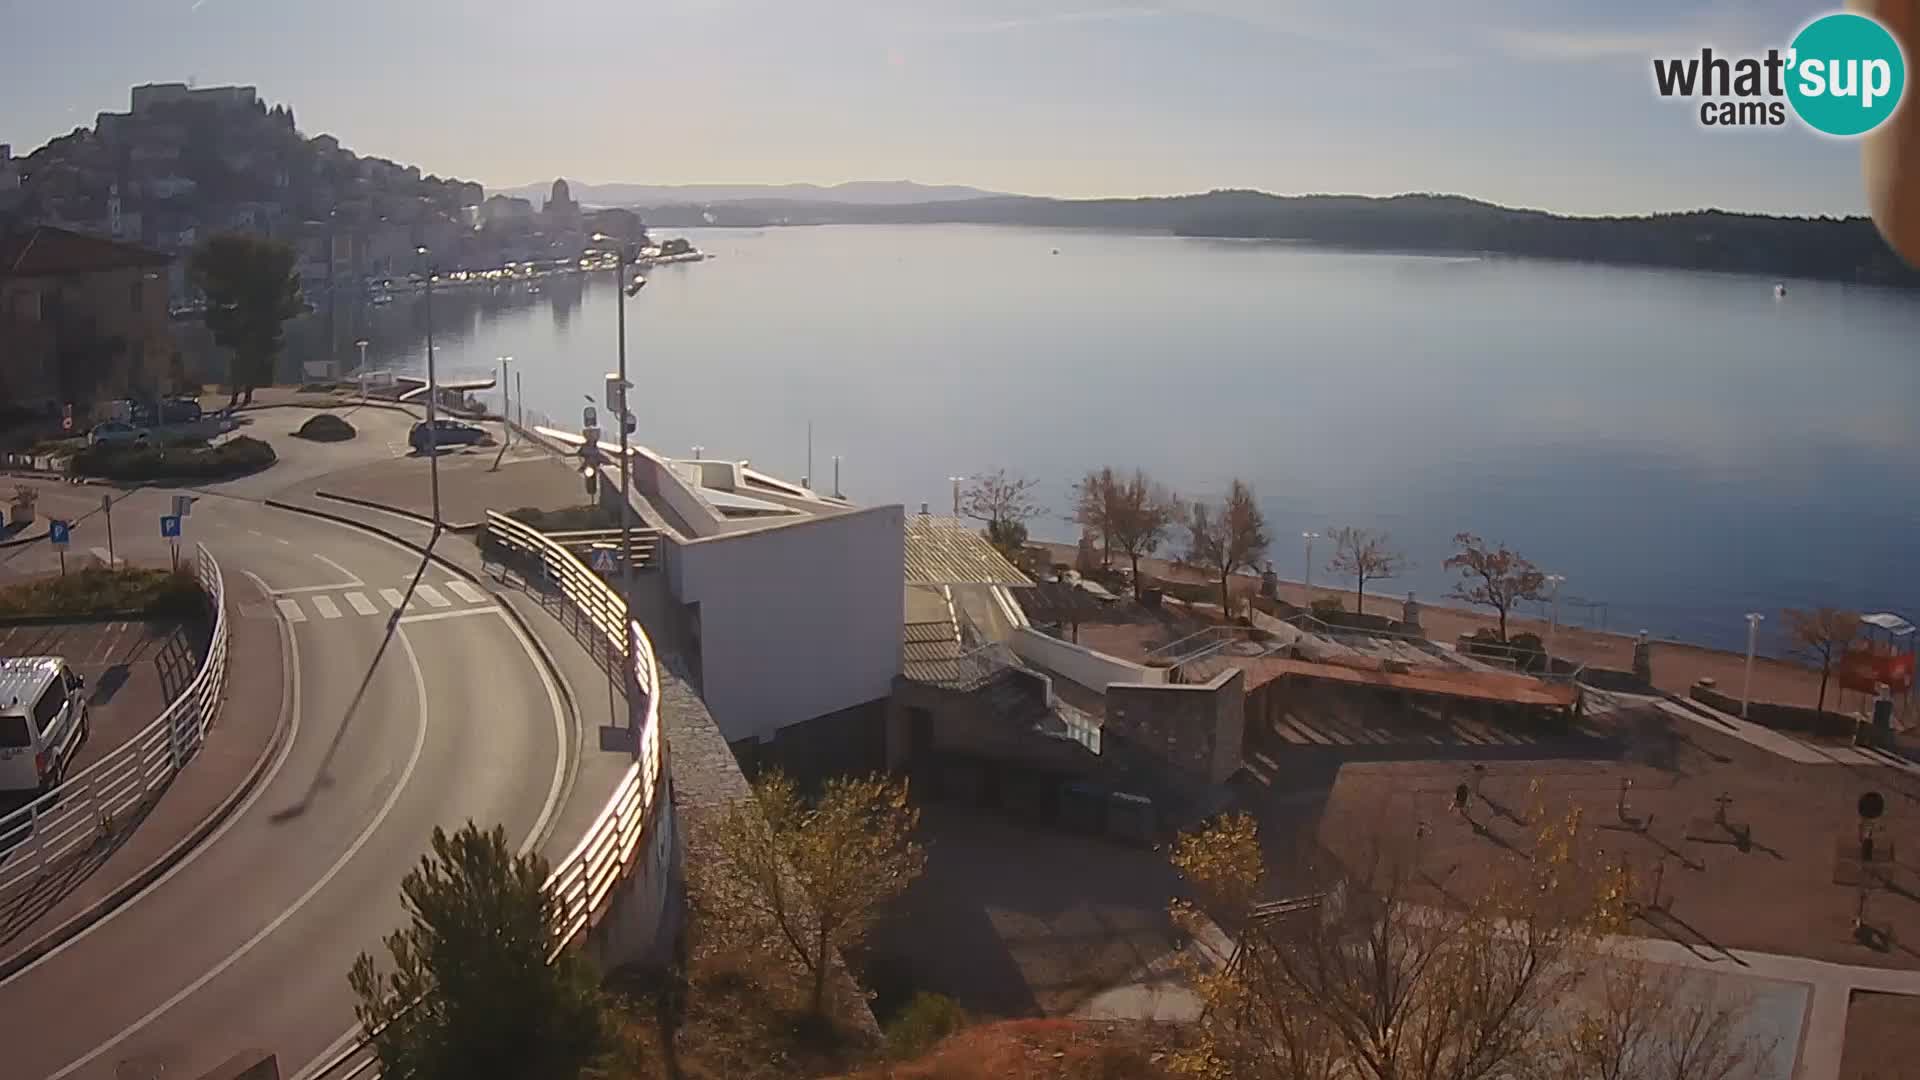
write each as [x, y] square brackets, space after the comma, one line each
[1846, 74]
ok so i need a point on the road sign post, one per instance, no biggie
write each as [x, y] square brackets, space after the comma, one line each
[170, 530]
[60, 534]
[106, 507]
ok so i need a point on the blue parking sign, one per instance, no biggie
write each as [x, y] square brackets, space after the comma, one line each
[59, 532]
[170, 526]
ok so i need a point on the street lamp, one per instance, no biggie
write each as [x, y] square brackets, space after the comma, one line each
[627, 290]
[433, 394]
[1309, 537]
[956, 481]
[1554, 581]
[1753, 632]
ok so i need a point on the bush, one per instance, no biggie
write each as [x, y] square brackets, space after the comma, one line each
[1327, 606]
[326, 427]
[926, 1020]
[97, 590]
[235, 457]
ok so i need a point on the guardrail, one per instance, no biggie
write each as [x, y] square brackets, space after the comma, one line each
[586, 877]
[41, 837]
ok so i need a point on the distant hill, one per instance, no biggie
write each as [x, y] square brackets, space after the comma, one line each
[1826, 248]
[867, 192]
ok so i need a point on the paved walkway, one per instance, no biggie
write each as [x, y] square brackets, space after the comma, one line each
[239, 744]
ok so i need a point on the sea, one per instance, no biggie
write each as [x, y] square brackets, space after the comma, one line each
[1682, 447]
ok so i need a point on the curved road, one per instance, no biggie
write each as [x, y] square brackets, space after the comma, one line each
[246, 943]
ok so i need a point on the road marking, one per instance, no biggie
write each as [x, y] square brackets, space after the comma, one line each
[432, 596]
[393, 598]
[325, 606]
[466, 592]
[258, 533]
[351, 578]
[361, 604]
[336, 587]
[290, 710]
[460, 614]
[366, 834]
[291, 609]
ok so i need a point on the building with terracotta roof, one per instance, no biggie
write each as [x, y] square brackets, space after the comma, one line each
[83, 318]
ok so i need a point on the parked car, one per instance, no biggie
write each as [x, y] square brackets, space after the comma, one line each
[181, 411]
[43, 721]
[115, 432]
[445, 433]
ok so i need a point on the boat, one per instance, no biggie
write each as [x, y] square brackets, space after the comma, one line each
[1780, 291]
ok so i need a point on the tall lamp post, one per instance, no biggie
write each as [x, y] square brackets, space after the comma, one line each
[956, 481]
[1309, 537]
[623, 416]
[1754, 619]
[1554, 581]
[433, 394]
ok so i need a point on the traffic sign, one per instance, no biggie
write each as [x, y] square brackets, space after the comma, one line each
[170, 526]
[183, 505]
[66, 417]
[60, 533]
[589, 417]
[603, 560]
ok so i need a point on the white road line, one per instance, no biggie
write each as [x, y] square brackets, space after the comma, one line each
[393, 598]
[325, 606]
[466, 592]
[431, 595]
[336, 587]
[360, 603]
[393, 797]
[290, 710]
[462, 613]
[351, 578]
[290, 609]
[258, 533]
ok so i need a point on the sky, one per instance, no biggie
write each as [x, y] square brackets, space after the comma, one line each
[1539, 103]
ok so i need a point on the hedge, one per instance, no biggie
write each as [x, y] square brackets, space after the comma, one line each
[235, 457]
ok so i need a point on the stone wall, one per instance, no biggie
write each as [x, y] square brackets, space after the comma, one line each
[1194, 729]
[1782, 717]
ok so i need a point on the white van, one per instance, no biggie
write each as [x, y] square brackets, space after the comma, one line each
[43, 721]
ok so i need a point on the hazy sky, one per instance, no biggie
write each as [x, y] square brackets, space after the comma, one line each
[1543, 103]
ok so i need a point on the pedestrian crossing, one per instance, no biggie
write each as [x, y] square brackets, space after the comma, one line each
[347, 603]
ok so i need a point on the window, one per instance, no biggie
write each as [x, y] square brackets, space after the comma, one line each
[13, 733]
[47, 709]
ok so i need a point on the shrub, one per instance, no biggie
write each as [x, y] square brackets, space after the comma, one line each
[326, 427]
[926, 1020]
[97, 590]
[235, 457]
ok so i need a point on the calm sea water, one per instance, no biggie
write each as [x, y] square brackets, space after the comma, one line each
[1683, 447]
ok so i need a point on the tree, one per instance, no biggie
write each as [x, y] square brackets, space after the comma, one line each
[1365, 982]
[1140, 515]
[1822, 636]
[1364, 556]
[1004, 501]
[251, 292]
[1093, 498]
[1495, 578]
[818, 872]
[472, 992]
[1227, 538]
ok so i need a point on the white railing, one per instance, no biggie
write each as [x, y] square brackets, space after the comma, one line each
[583, 880]
[38, 839]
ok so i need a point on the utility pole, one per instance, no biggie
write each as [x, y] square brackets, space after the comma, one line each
[433, 393]
[1553, 618]
[1746, 687]
[955, 480]
[622, 292]
[1309, 537]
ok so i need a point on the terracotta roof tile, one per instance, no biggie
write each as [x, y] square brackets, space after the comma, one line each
[44, 251]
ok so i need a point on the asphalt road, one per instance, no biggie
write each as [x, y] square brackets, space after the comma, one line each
[247, 942]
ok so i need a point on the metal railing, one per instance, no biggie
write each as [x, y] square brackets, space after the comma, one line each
[90, 807]
[586, 877]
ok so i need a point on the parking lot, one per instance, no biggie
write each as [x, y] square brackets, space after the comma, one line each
[133, 669]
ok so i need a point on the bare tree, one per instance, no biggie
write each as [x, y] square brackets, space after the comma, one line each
[1004, 501]
[1227, 538]
[1140, 515]
[1822, 636]
[1368, 981]
[1093, 499]
[1495, 578]
[1364, 556]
